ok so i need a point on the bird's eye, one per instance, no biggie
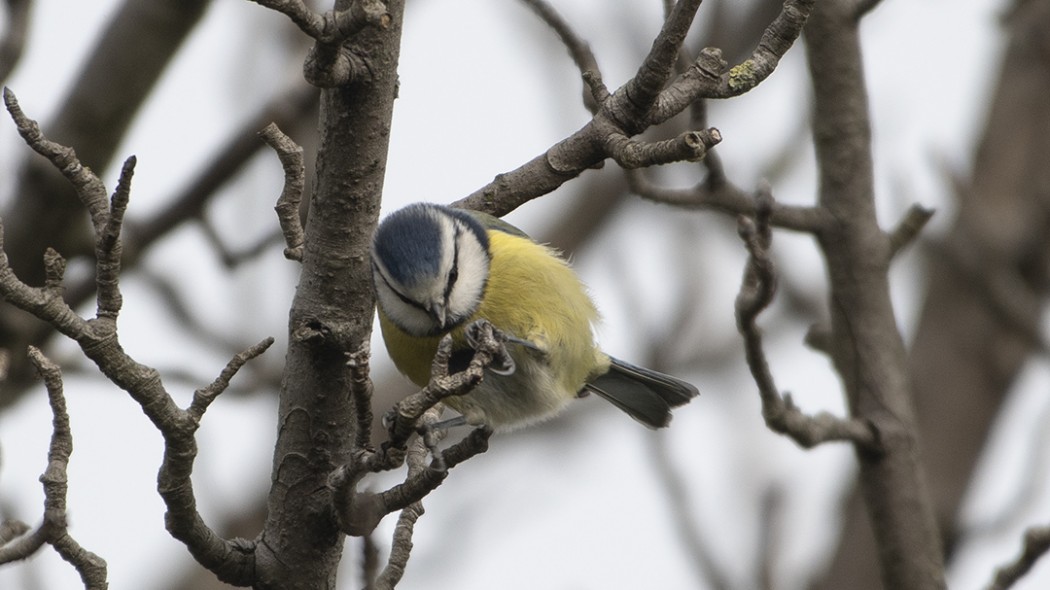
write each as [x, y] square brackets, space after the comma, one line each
[453, 275]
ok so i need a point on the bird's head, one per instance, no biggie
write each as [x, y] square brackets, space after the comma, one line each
[430, 264]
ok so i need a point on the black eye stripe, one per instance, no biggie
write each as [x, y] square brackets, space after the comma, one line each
[404, 298]
[453, 273]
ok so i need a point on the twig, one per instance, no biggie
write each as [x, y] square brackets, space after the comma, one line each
[108, 248]
[402, 420]
[728, 198]
[53, 530]
[401, 548]
[231, 561]
[710, 79]
[359, 512]
[1036, 544]
[334, 26]
[690, 146]
[89, 188]
[10, 530]
[908, 228]
[645, 100]
[291, 156]
[756, 293]
[643, 89]
[578, 49]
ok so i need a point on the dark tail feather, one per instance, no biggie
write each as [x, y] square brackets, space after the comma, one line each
[645, 395]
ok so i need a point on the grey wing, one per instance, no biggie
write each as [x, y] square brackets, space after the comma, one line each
[495, 223]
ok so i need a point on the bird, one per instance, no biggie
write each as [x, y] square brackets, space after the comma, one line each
[438, 269]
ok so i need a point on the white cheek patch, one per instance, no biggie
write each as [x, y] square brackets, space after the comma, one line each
[472, 268]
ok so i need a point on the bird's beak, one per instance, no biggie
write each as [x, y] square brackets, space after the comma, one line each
[439, 312]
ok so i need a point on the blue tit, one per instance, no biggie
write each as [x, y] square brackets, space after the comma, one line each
[438, 269]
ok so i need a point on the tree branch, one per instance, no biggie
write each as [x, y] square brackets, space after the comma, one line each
[1036, 544]
[360, 512]
[643, 101]
[721, 195]
[53, 530]
[756, 293]
[291, 157]
[865, 344]
[709, 77]
[232, 561]
[88, 186]
[690, 146]
[908, 228]
[578, 49]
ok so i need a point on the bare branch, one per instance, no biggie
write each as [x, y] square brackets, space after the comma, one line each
[332, 27]
[10, 530]
[689, 146]
[709, 79]
[46, 303]
[108, 247]
[489, 349]
[643, 101]
[232, 560]
[89, 188]
[644, 88]
[579, 50]
[359, 512]
[202, 398]
[53, 530]
[285, 109]
[1036, 544]
[756, 293]
[908, 228]
[291, 156]
[721, 195]
[401, 548]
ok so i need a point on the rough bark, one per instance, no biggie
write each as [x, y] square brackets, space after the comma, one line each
[331, 315]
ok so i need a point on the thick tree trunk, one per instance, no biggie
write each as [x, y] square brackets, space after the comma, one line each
[331, 315]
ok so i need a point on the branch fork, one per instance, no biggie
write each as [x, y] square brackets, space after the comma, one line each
[650, 98]
[332, 62]
[756, 293]
[230, 560]
[359, 512]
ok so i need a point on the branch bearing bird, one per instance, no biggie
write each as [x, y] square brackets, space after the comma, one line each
[438, 269]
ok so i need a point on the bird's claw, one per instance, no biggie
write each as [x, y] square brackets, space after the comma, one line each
[482, 335]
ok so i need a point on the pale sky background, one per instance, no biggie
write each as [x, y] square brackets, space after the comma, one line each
[484, 88]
